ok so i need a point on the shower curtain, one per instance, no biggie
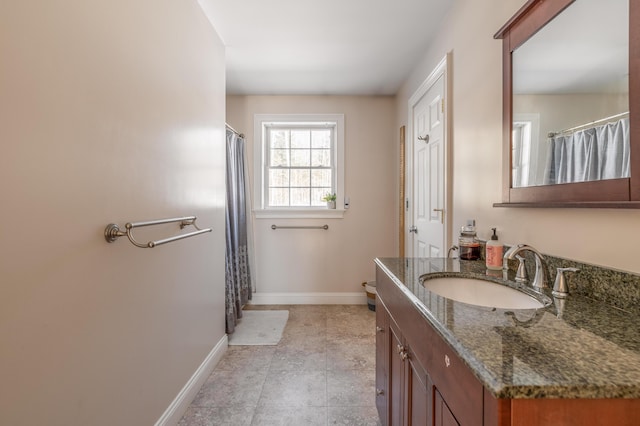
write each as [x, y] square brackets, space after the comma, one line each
[238, 232]
[597, 153]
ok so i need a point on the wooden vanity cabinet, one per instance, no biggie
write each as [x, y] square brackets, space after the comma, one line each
[420, 380]
[402, 384]
[382, 362]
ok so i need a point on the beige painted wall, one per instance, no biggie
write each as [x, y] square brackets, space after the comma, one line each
[109, 112]
[598, 236]
[337, 260]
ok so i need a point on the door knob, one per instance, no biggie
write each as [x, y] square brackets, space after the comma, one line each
[413, 229]
[424, 138]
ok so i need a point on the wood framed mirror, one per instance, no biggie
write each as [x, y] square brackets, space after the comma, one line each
[566, 80]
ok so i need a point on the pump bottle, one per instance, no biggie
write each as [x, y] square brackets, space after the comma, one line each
[493, 254]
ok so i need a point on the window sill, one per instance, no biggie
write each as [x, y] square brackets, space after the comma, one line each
[300, 214]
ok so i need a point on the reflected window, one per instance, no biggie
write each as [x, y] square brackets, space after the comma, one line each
[525, 150]
[521, 152]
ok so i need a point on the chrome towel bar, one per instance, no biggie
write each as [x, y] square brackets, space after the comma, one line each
[325, 227]
[112, 232]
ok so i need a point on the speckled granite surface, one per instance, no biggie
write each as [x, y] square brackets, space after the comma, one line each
[617, 288]
[587, 349]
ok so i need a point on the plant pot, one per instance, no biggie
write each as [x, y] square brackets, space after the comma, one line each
[331, 204]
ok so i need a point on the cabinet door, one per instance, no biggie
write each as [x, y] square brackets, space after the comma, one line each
[418, 396]
[396, 376]
[443, 416]
[382, 362]
[456, 384]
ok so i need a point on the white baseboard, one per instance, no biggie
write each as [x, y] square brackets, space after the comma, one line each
[179, 405]
[359, 298]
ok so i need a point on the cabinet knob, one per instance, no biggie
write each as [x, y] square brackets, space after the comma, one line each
[379, 392]
[379, 329]
[447, 361]
[404, 355]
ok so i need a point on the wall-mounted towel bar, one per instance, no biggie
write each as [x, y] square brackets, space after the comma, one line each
[112, 231]
[325, 227]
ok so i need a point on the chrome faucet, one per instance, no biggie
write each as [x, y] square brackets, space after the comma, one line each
[539, 281]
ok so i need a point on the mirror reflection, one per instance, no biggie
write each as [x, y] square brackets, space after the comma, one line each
[571, 97]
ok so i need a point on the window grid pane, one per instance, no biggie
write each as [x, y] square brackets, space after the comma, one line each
[279, 197]
[279, 178]
[321, 157]
[279, 158]
[300, 178]
[321, 138]
[301, 139]
[300, 157]
[300, 167]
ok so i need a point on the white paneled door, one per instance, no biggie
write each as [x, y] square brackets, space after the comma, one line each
[428, 208]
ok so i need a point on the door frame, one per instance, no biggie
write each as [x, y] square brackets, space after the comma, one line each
[441, 70]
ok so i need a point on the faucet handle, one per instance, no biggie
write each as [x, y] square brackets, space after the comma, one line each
[521, 273]
[560, 287]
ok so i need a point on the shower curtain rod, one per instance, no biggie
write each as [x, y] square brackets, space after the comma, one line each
[234, 130]
[588, 125]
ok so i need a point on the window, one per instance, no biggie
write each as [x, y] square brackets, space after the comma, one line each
[525, 151]
[299, 166]
[521, 153]
[298, 160]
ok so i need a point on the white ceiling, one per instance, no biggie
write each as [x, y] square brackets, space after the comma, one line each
[333, 47]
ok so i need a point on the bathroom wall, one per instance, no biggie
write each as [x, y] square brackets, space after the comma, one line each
[109, 112]
[597, 236]
[315, 266]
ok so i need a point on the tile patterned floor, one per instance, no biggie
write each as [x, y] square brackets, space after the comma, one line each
[321, 373]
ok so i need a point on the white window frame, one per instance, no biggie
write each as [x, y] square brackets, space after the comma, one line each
[529, 124]
[261, 122]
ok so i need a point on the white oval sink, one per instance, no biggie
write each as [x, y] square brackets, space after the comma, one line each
[481, 293]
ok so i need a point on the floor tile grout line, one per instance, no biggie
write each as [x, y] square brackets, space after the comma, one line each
[323, 329]
[326, 366]
[255, 410]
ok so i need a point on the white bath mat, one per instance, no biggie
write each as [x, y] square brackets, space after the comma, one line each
[259, 328]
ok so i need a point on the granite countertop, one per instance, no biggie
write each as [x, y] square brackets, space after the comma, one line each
[589, 350]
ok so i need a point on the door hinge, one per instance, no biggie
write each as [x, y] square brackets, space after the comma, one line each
[442, 103]
[407, 204]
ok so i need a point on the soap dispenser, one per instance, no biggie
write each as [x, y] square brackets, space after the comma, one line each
[494, 252]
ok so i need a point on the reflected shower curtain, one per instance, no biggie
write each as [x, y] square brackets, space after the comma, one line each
[238, 273]
[598, 153]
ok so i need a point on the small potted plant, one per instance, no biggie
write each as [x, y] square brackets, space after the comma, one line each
[330, 199]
